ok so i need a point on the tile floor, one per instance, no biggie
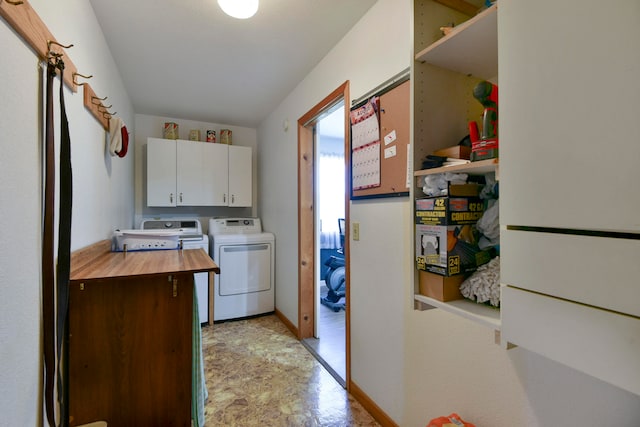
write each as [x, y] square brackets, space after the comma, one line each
[259, 374]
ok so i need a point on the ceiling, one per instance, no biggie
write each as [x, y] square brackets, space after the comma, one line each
[187, 59]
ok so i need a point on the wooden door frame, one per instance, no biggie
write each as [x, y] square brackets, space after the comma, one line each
[306, 214]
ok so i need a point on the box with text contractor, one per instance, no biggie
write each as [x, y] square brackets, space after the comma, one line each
[446, 235]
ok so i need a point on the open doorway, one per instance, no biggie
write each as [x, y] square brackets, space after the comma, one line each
[328, 343]
[323, 216]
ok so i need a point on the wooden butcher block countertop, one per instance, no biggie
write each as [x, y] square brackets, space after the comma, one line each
[97, 262]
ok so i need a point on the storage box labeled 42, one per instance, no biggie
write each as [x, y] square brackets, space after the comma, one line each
[449, 210]
[446, 235]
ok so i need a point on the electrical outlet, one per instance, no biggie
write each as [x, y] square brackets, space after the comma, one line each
[356, 231]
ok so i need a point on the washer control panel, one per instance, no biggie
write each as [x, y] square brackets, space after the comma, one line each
[234, 225]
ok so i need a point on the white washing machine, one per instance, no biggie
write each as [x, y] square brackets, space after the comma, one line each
[190, 233]
[245, 254]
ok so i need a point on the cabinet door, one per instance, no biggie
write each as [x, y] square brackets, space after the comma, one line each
[161, 172]
[130, 351]
[600, 343]
[216, 174]
[240, 176]
[190, 165]
[569, 103]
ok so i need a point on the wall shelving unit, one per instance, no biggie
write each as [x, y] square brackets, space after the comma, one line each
[445, 71]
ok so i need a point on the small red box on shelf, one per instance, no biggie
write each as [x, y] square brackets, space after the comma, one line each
[484, 149]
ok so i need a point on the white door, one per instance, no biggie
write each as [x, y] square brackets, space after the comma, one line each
[247, 268]
[161, 172]
[240, 177]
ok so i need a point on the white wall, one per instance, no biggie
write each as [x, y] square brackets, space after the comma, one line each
[367, 56]
[103, 188]
[415, 365]
[21, 249]
[152, 126]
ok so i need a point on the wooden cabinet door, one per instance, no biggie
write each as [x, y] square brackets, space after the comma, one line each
[240, 176]
[130, 351]
[161, 172]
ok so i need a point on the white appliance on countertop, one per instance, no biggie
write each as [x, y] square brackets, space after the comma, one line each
[245, 254]
[144, 240]
[189, 233]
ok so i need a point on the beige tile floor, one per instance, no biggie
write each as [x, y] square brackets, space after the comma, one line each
[259, 374]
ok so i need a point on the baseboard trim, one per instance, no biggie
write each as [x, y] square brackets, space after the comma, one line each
[286, 322]
[371, 407]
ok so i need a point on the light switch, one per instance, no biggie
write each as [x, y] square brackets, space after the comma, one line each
[356, 231]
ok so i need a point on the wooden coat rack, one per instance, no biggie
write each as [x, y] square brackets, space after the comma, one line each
[26, 22]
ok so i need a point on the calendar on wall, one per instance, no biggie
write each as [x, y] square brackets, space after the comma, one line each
[380, 143]
[365, 146]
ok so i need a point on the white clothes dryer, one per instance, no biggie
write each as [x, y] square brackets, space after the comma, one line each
[245, 254]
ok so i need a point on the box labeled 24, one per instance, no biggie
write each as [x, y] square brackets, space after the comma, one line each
[448, 250]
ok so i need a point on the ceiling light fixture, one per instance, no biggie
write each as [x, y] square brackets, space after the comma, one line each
[241, 9]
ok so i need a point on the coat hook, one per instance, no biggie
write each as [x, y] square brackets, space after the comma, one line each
[15, 3]
[108, 114]
[83, 76]
[105, 107]
[50, 42]
[99, 99]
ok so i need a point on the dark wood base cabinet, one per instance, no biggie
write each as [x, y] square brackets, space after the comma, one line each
[130, 345]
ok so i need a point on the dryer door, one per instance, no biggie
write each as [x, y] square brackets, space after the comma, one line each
[246, 268]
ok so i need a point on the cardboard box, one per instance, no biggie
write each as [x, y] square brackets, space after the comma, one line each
[440, 287]
[484, 149]
[449, 250]
[449, 210]
[446, 235]
[470, 189]
[456, 152]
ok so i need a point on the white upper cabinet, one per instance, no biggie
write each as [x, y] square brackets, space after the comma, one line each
[218, 173]
[192, 173]
[569, 108]
[161, 172]
[191, 160]
[240, 176]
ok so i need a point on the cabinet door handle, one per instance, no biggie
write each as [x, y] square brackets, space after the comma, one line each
[233, 198]
[224, 197]
[180, 197]
[170, 197]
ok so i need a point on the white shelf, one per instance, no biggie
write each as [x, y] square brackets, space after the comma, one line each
[474, 168]
[479, 313]
[470, 48]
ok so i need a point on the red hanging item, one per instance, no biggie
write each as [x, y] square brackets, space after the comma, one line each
[452, 420]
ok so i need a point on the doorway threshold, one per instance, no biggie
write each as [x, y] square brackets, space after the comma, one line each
[311, 344]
